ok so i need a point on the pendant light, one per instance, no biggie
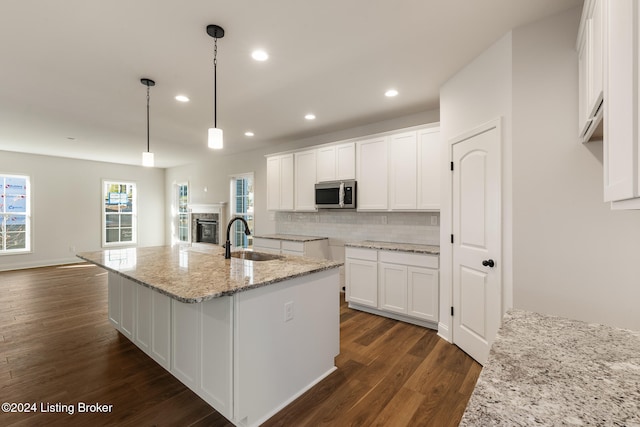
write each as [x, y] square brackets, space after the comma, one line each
[215, 134]
[147, 156]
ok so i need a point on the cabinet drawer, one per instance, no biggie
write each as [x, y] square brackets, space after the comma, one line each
[366, 254]
[266, 243]
[292, 246]
[406, 258]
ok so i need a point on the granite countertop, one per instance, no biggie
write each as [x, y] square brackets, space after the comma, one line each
[290, 237]
[547, 370]
[400, 247]
[199, 273]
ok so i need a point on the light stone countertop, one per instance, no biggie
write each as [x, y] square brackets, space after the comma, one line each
[290, 237]
[547, 370]
[400, 247]
[200, 272]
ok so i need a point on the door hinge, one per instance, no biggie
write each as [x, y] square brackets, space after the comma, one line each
[451, 310]
[452, 238]
[451, 165]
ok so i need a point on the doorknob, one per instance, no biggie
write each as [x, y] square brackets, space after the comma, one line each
[488, 263]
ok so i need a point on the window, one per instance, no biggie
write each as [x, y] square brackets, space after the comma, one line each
[242, 206]
[183, 212]
[15, 214]
[119, 220]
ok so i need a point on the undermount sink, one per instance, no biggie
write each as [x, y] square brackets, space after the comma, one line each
[255, 256]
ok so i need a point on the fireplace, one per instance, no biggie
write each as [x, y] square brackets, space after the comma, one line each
[207, 231]
[207, 222]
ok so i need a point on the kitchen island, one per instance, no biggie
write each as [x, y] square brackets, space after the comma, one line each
[548, 370]
[247, 336]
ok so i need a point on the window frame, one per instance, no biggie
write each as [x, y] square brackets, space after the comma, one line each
[232, 205]
[176, 213]
[28, 218]
[134, 213]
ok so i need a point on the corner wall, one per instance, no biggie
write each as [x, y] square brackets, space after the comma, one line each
[66, 206]
[573, 255]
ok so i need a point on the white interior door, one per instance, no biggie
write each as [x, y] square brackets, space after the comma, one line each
[477, 278]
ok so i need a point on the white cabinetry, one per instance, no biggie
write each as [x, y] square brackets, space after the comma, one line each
[336, 162]
[429, 161]
[372, 174]
[591, 44]
[361, 276]
[305, 173]
[280, 182]
[400, 172]
[311, 248]
[142, 315]
[403, 171]
[621, 153]
[396, 284]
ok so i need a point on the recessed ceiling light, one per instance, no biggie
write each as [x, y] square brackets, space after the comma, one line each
[259, 55]
[248, 133]
[182, 98]
[310, 116]
[391, 93]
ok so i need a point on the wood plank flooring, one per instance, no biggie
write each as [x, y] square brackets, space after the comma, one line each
[56, 346]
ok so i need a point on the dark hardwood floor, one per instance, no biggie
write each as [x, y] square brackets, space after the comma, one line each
[57, 347]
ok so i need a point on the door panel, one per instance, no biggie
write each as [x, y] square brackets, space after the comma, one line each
[476, 215]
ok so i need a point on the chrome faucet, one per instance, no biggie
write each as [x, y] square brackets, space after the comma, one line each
[227, 245]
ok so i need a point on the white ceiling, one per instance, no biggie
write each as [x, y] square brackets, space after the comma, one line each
[72, 69]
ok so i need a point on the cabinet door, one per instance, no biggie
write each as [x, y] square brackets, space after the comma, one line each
[143, 318]
[186, 324]
[326, 164]
[273, 183]
[115, 299]
[305, 171]
[403, 171]
[393, 287]
[423, 293]
[345, 161]
[372, 172]
[161, 329]
[429, 168]
[620, 161]
[128, 308]
[286, 182]
[596, 46]
[361, 278]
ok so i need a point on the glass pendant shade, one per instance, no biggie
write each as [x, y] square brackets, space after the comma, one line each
[147, 159]
[215, 138]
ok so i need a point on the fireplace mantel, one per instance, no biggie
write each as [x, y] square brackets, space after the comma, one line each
[207, 207]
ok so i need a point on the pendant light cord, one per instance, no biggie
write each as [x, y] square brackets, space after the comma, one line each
[215, 66]
[147, 118]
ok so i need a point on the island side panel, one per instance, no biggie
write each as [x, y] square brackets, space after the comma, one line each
[277, 359]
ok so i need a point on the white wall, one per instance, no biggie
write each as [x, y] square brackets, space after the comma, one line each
[573, 256]
[66, 205]
[477, 94]
[214, 171]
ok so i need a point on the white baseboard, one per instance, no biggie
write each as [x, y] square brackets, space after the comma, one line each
[36, 264]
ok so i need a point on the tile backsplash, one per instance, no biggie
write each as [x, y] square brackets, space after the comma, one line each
[405, 227]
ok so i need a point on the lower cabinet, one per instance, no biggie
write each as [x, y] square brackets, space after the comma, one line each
[142, 315]
[401, 285]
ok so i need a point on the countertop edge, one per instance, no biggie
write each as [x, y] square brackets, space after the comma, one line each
[396, 247]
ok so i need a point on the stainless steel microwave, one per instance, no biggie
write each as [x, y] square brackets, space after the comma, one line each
[336, 195]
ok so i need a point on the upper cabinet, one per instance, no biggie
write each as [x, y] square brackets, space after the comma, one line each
[371, 174]
[336, 162]
[395, 171]
[280, 182]
[620, 143]
[591, 47]
[305, 173]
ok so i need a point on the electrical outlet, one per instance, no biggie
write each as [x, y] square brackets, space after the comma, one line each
[72, 249]
[288, 311]
[434, 220]
[383, 219]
